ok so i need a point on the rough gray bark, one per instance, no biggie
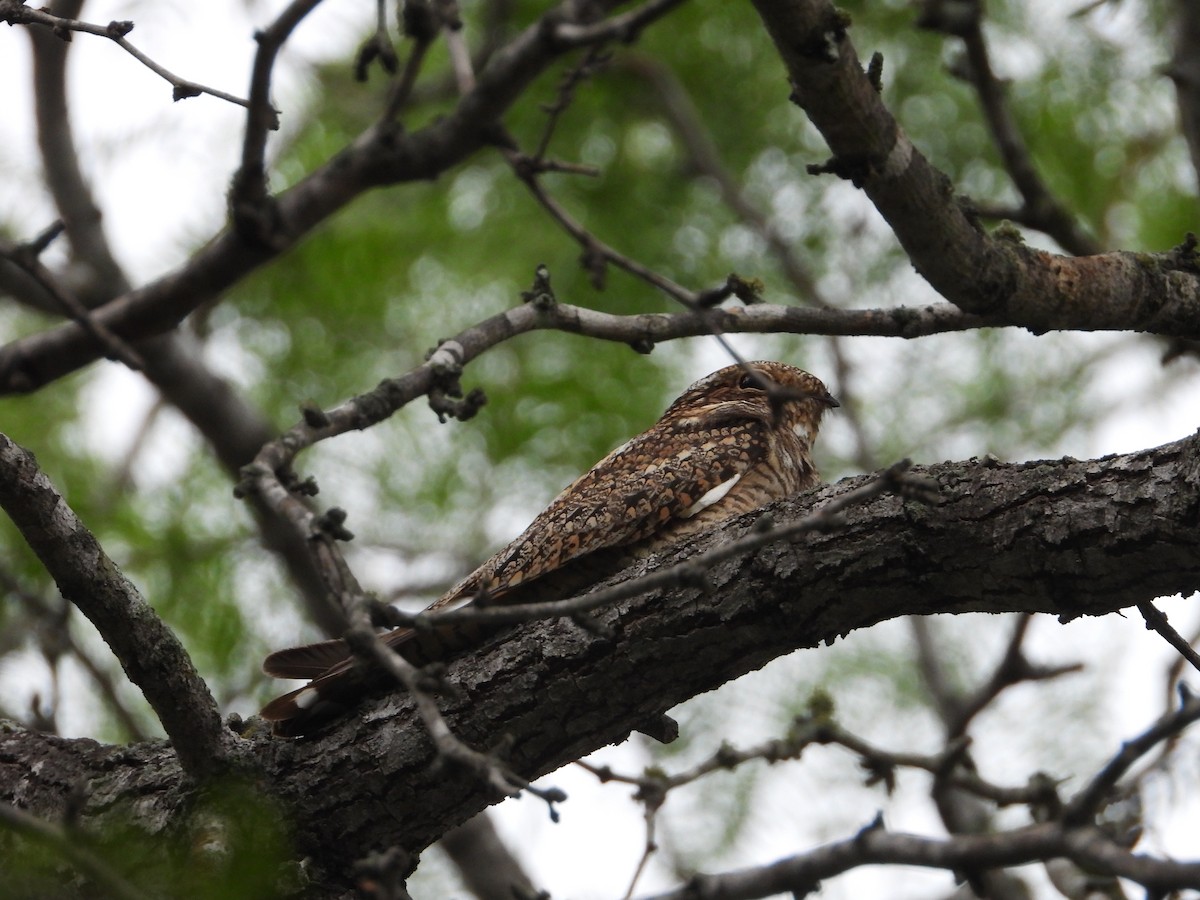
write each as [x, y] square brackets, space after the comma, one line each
[1064, 537]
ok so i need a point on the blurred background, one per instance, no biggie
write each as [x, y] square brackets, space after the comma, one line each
[701, 162]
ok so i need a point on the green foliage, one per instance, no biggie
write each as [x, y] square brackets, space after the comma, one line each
[367, 295]
[233, 847]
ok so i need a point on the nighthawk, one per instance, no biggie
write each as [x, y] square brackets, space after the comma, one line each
[733, 441]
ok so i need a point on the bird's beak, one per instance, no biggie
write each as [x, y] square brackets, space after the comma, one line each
[828, 399]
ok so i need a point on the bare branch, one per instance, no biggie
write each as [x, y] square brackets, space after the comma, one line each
[1012, 669]
[1042, 210]
[624, 28]
[15, 12]
[25, 257]
[381, 155]
[487, 866]
[1157, 621]
[640, 331]
[39, 607]
[1184, 70]
[253, 214]
[363, 639]
[456, 44]
[234, 429]
[72, 194]
[800, 875]
[149, 652]
[979, 273]
[377, 47]
[971, 552]
[1084, 805]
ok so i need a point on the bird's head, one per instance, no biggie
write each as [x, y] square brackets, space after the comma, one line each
[775, 392]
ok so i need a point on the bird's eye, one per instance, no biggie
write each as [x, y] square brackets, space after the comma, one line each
[750, 382]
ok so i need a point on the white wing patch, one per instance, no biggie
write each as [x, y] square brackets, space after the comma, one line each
[715, 495]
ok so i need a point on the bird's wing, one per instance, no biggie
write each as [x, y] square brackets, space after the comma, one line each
[308, 661]
[637, 490]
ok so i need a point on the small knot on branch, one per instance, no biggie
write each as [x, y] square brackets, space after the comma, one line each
[376, 47]
[38, 245]
[748, 290]
[314, 416]
[909, 486]
[855, 169]
[875, 71]
[875, 824]
[419, 21]
[1184, 257]
[332, 523]
[540, 295]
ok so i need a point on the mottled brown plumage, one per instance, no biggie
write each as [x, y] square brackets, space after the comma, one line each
[732, 442]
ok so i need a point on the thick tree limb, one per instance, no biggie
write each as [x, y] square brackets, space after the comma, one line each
[1067, 537]
[980, 273]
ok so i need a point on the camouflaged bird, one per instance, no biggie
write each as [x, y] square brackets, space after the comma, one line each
[732, 442]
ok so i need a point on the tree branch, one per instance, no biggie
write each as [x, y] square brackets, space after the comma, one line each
[149, 652]
[1107, 533]
[1003, 282]
[384, 154]
[1041, 208]
[800, 875]
[248, 198]
[15, 12]
[981, 274]
[1184, 70]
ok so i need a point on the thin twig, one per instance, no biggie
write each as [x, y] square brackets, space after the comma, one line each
[596, 253]
[456, 44]
[807, 731]
[15, 12]
[403, 88]
[1012, 669]
[25, 257]
[586, 67]
[364, 640]
[1042, 209]
[39, 607]
[1091, 798]
[249, 191]
[800, 875]
[1156, 620]
[624, 28]
[639, 331]
[377, 47]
